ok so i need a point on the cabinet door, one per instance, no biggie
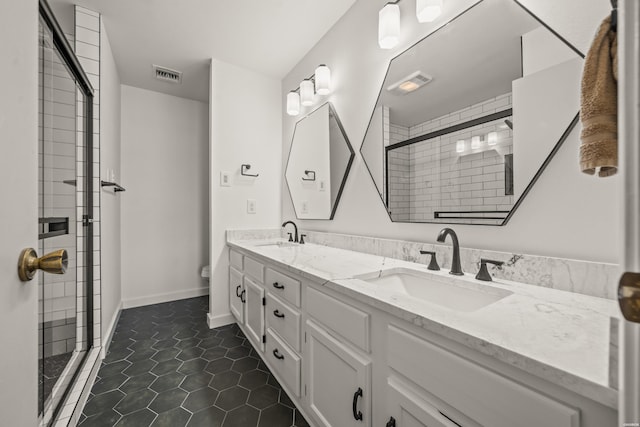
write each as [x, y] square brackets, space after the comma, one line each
[236, 295]
[338, 381]
[407, 408]
[254, 312]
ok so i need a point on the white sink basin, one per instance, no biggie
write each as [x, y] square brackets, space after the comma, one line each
[278, 244]
[450, 292]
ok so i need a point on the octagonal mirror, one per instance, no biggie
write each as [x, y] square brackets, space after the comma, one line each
[319, 161]
[468, 118]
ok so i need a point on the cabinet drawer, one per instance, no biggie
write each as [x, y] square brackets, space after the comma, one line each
[345, 320]
[284, 320]
[479, 393]
[235, 260]
[254, 269]
[284, 361]
[283, 286]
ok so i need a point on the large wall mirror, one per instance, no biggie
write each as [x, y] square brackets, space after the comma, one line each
[468, 118]
[319, 162]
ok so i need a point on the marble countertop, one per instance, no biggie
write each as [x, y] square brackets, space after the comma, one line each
[561, 337]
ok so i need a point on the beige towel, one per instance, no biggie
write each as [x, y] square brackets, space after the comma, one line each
[599, 105]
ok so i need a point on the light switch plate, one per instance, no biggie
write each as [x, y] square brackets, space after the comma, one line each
[251, 206]
[305, 207]
[225, 179]
[322, 185]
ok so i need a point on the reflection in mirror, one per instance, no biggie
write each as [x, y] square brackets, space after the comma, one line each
[319, 162]
[468, 117]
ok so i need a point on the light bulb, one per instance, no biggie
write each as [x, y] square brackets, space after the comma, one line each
[389, 26]
[428, 10]
[293, 103]
[492, 138]
[323, 80]
[306, 93]
[460, 146]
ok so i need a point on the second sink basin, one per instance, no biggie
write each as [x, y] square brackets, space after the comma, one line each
[452, 293]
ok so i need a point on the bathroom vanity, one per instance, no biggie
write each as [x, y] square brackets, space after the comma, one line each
[362, 340]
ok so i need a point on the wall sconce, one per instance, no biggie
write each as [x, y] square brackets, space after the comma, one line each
[389, 19]
[305, 94]
[492, 138]
[460, 146]
[389, 26]
[475, 142]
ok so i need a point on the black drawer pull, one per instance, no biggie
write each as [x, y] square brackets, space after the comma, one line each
[242, 297]
[238, 291]
[277, 285]
[392, 422]
[357, 414]
[278, 314]
[277, 354]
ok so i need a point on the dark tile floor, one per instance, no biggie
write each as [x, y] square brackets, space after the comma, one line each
[165, 367]
[49, 370]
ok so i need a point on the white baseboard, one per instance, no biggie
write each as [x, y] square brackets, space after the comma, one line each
[166, 297]
[220, 320]
[107, 335]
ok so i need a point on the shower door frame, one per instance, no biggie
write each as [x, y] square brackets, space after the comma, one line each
[69, 57]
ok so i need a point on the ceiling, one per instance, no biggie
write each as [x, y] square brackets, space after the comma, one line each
[266, 36]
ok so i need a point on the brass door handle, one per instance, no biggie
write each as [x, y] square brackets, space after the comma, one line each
[55, 262]
[629, 296]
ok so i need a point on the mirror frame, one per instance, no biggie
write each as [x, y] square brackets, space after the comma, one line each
[439, 132]
[352, 155]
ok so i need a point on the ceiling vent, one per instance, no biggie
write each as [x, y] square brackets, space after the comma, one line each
[412, 82]
[167, 74]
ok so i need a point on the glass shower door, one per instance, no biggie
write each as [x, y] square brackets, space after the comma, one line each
[64, 336]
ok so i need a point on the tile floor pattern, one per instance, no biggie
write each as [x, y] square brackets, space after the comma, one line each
[165, 367]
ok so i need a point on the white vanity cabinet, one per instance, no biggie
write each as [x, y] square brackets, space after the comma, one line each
[349, 364]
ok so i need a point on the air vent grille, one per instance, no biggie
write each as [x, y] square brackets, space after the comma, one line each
[167, 74]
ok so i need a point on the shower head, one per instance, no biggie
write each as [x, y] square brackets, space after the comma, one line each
[509, 123]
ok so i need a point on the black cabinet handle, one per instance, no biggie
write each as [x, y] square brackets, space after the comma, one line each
[277, 354]
[392, 422]
[357, 414]
[242, 297]
[278, 314]
[277, 285]
[238, 291]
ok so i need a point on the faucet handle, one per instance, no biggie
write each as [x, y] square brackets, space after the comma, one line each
[483, 273]
[290, 237]
[302, 236]
[433, 264]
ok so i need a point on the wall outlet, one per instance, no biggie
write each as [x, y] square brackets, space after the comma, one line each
[225, 179]
[251, 206]
[305, 207]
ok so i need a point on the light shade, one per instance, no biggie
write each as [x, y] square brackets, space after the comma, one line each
[389, 26]
[492, 138]
[306, 93]
[475, 142]
[293, 103]
[323, 80]
[428, 10]
[460, 146]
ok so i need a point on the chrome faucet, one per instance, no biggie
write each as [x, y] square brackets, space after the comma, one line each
[456, 268]
[295, 227]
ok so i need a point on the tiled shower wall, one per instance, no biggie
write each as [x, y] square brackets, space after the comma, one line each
[437, 178]
[57, 307]
[87, 48]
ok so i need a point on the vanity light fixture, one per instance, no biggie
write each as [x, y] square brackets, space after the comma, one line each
[323, 80]
[389, 26]
[428, 10]
[389, 19]
[475, 142]
[293, 103]
[305, 94]
[460, 146]
[492, 138]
